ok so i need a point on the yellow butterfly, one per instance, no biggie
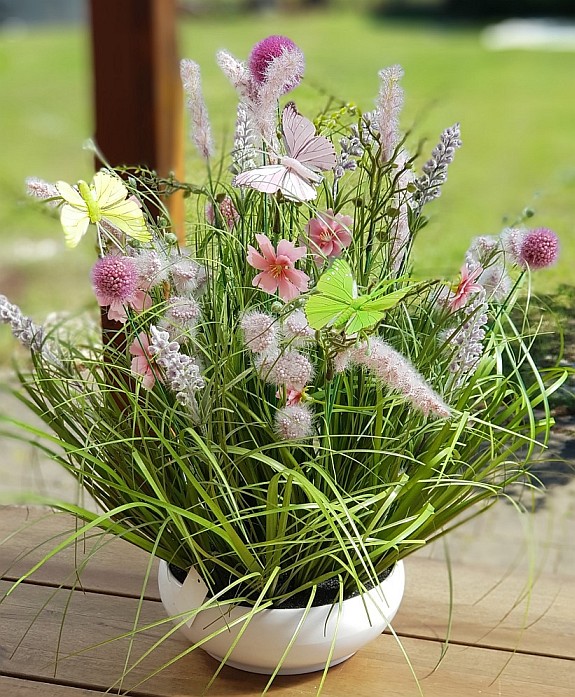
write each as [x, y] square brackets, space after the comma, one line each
[106, 198]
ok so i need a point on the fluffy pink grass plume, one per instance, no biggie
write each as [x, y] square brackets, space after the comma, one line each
[329, 234]
[277, 268]
[116, 280]
[266, 51]
[539, 249]
[467, 285]
[294, 422]
[282, 71]
[388, 109]
[142, 361]
[398, 374]
[237, 73]
[201, 133]
[260, 331]
[400, 233]
[40, 189]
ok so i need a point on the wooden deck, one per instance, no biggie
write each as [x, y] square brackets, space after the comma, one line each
[56, 633]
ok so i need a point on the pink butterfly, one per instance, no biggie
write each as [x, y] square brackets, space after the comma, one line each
[298, 170]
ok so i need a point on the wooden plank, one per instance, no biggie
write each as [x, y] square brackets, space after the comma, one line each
[102, 562]
[138, 103]
[484, 611]
[92, 619]
[15, 687]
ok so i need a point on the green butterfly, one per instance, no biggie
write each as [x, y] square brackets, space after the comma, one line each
[336, 302]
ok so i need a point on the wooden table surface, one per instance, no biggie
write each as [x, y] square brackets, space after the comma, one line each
[59, 630]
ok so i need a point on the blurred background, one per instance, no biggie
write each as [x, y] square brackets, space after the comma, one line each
[504, 69]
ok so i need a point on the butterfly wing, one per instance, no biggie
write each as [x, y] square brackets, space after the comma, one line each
[75, 222]
[111, 195]
[71, 195]
[128, 217]
[335, 291]
[108, 190]
[267, 179]
[296, 188]
[301, 142]
[373, 310]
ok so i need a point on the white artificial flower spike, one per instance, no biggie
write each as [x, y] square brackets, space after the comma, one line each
[106, 198]
[297, 171]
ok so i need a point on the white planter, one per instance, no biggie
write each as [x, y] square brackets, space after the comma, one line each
[261, 647]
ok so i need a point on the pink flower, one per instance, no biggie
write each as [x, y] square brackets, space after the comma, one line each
[539, 249]
[277, 268]
[466, 286]
[227, 210]
[142, 361]
[115, 280]
[294, 422]
[329, 234]
[263, 54]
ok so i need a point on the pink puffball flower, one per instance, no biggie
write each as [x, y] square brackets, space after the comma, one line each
[539, 249]
[466, 286]
[260, 331]
[263, 54]
[116, 280]
[329, 234]
[294, 422]
[142, 360]
[277, 268]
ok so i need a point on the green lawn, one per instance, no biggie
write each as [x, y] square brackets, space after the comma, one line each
[516, 110]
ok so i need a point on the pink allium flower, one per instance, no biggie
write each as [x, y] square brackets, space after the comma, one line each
[329, 234]
[142, 360]
[263, 54]
[277, 268]
[540, 248]
[294, 422]
[260, 331]
[467, 285]
[115, 280]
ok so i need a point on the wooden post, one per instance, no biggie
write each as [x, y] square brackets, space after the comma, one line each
[138, 102]
[138, 108]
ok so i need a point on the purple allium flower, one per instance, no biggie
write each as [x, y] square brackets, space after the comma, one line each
[115, 279]
[539, 249]
[260, 331]
[263, 54]
[294, 422]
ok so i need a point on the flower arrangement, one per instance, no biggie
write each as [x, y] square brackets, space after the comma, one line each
[281, 403]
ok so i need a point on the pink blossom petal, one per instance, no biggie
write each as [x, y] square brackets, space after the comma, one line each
[117, 311]
[266, 282]
[287, 290]
[140, 301]
[287, 248]
[267, 247]
[256, 260]
[298, 278]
